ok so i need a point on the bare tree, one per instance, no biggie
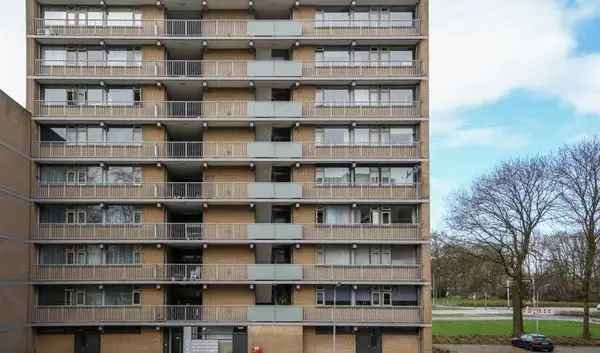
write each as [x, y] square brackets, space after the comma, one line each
[500, 211]
[577, 171]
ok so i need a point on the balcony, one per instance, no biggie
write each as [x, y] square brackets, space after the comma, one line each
[228, 29]
[225, 233]
[229, 70]
[223, 273]
[224, 151]
[207, 110]
[227, 192]
[231, 315]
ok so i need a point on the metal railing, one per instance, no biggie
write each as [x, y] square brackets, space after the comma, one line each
[67, 315]
[221, 110]
[164, 232]
[225, 273]
[220, 28]
[226, 191]
[224, 69]
[398, 68]
[223, 150]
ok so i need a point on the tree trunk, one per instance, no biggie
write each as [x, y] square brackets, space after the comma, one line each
[590, 257]
[517, 304]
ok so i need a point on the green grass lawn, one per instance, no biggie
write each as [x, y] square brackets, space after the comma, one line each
[504, 328]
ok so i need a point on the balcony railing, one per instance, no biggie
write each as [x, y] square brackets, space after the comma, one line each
[226, 191]
[200, 273]
[223, 150]
[223, 29]
[227, 69]
[205, 232]
[227, 110]
[69, 315]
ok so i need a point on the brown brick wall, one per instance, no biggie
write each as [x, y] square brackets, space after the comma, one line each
[154, 94]
[304, 296]
[399, 343]
[304, 54]
[153, 214]
[229, 174]
[228, 254]
[153, 133]
[304, 214]
[151, 53]
[304, 94]
[55, 343]
[148, 341]
[344, 343]
[153, 296]
[228, 214]
[273, 338]
[304, 255]
[152, 173]
[227, 295]
[426, 340]
[15, 132]
[153, 255]
[304, 134]
[229, 94]
[228, 54]
[304, 13]
[227, 14]
[240, 134]
[304, 174]
[152, 13]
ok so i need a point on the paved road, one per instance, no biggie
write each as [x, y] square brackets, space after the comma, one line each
[469, 313]
[508, 349]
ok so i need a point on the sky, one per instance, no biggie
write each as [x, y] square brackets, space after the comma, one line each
[509, 78]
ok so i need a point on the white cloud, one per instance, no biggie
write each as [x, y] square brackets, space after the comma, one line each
[482, 50]
[452, 131]
[12, 37]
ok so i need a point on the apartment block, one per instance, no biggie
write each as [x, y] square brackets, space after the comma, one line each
[229, 176]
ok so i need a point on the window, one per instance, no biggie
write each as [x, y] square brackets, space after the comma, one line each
[75, 216]
[83, 96]
[400, 136]
[69, 256]
[54, 56]
[374, 96]
[124, 18]
[136, 297]
[121, 96]
[123, 135]
[332, 175]
[333, 255]
[364, 17]
[117, 214]
[76, 176]
[320, 296]
[381, 297]
[332, 18]
[332, 136]
[333, 97]
[122, 254]
[122, 175]
[401, 175]
[364, 57]
[365, 175]
[380, 255]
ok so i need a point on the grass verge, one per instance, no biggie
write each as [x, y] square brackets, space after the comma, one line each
[550, 328]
